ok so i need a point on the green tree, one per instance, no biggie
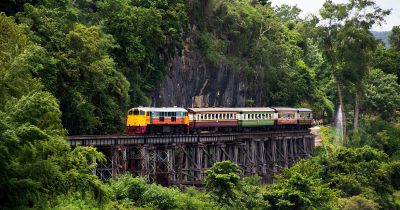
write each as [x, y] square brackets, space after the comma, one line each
[38, 163]
[299, 192]
[16, 61]
[223, 181]
[394, 37]
[346, 27]
[97, 92]
[382, 94]
[357, 203]
[288, 13]
[149, 34]
[76, 67]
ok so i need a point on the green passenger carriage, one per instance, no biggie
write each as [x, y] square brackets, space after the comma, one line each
[256, 117]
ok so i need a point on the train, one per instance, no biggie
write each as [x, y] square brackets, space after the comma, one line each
[178, 120]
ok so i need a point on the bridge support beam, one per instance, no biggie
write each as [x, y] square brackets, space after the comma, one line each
[184, 160]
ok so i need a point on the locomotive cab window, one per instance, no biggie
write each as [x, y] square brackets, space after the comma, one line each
[135, 112]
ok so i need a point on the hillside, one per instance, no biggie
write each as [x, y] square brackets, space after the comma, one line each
[75, 67]
[382, 35]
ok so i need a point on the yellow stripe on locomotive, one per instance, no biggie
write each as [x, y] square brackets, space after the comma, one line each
[137, 121]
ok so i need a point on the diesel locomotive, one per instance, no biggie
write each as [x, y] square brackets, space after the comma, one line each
[176, 120]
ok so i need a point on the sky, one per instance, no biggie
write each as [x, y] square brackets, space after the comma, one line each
[312, 6]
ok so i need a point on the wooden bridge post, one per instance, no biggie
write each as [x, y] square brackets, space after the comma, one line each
[263, 160]
[285, 151]
[199, 161]
[273, 155]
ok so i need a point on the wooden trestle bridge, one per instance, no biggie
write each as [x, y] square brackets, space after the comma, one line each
[184, 159]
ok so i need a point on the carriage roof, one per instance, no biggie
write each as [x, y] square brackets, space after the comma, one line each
[161, 109]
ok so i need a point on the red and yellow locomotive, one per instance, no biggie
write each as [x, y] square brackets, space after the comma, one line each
[142, 120]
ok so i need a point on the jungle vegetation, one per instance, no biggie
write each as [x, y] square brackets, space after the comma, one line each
[75, 66]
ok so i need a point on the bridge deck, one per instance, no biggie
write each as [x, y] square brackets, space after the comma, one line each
[113, 140]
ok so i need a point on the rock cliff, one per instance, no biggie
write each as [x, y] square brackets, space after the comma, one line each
[193, 82]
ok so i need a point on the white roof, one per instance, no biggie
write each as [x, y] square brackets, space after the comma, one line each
[232, 109]
[214, 109]
[161, 109]
[257, 109]
[303, 110]
[285, 109]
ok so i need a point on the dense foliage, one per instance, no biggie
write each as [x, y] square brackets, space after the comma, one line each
[75, 66]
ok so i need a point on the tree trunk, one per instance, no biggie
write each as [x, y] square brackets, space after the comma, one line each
[339, 90]
[356, 111]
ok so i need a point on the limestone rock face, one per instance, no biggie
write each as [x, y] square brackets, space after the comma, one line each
[192, 82]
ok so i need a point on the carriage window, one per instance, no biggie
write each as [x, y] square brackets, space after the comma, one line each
[147, 113]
